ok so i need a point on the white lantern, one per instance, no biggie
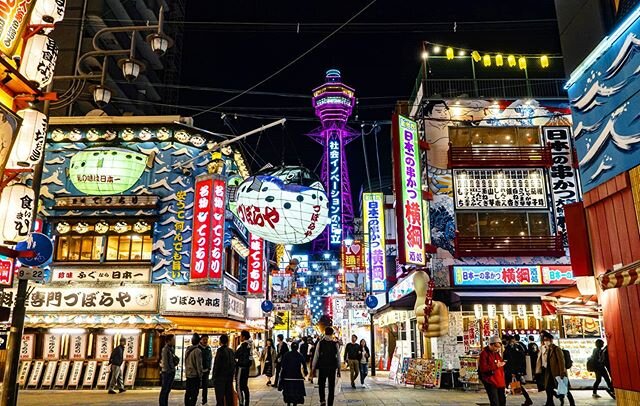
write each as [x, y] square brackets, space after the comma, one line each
[492, 311]
[537, 311]
[28, 148]
[285, 206]
[506, 311]
[47, 12]
[17, 203]
[477, 310]
[522, 311]
[39, 60]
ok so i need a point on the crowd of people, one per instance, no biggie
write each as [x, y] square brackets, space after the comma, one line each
[502, 366]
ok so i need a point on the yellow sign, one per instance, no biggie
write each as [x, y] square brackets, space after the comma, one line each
[14, 17]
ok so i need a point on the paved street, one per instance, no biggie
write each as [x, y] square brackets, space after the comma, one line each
[379, 392]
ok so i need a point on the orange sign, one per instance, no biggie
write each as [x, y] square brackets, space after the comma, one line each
[14, 17]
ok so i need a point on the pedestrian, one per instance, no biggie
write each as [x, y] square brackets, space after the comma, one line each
[267, 359]
[364, 361]
[292, 378]
[193, 371]
[491, 372]
[599, 363]
[168, 363]
[352, 355]
[551, 366]
[243, 363]
[515, 357]
[207, 358]
[304, 348]
[326, 362]
[116, 359]
[223, 367]
[533, 350]
[281, 349]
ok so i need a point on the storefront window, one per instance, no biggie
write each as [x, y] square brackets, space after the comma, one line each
[86, 248]
[482, 224]
[494, 136]
[90, 248]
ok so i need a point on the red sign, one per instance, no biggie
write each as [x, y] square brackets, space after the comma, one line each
[201, 228]
[6, 271]
[255, 266]
[217, 230]
[352, 257]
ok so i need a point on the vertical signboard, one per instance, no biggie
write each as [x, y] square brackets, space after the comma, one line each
[255, 266]
[354, 281]
[132, 347]
[217, 231]
[14, 16]
[63, 371]
[562, 174]
[104, 346]
[49, 374]
[408, 190]
[374, 239]
[6, 271]
[51, 347]
[201, 228]
[27, 346]
[78, 346]
[334, 169]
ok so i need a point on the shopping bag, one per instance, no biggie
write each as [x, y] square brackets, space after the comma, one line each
[516, 387]
[338, 384]
[236, 400]
[563, 386]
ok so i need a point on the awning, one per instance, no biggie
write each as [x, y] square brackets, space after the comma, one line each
[97, 321]
[570, 301]
[207, 325]
[239, 247]
[625, 276]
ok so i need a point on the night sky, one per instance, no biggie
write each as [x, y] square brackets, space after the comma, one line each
[235, 44]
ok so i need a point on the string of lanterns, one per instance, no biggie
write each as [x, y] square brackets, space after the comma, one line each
[486, 58]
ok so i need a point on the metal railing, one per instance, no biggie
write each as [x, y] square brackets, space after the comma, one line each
[483, 157]
[475, 246]
[496, 88]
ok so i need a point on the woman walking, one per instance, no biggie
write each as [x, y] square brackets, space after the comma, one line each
[291, 377]
[267, 359]
[364, 361]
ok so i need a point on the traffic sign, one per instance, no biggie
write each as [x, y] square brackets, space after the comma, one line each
[31, 274]
[41, 244]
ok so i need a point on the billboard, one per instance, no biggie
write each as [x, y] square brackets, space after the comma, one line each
[374, 239]
[513, 275]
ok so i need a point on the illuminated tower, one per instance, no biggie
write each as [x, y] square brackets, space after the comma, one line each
[333, 103]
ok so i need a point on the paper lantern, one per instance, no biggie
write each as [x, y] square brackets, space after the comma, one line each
[499, 60]
[506, 311]
[17, 204]
[476, 56]
[544, 61]
[449, 53]
[511, 60]
[522, 63]
[28, 148]
[486, 60]
[284, 206]
[39, 59]
[47, 12]
[106, 171]
[477, 311]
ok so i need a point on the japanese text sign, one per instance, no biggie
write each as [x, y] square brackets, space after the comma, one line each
[557, 275]
[408, 189]
[51, 346]
[14, 16]
[499, 189]
[200, 244]
[6, 271]
[181, 300]
[104, 346]
[236, 306]
[334, 170]
[132, 346]
[352, 257]
[255, 266]
[513, 275]
[217, 231]
[78, 346]
[27, 346]
[374, 239]
[179, 237]
[101, 274]
[562, 174]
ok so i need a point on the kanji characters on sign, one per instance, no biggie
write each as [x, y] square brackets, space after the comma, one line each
[217, 231]
[200, 240]
[255, 266]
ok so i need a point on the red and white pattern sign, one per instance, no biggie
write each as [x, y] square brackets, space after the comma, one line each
[255, 267]
[201, 228]
[217, 231]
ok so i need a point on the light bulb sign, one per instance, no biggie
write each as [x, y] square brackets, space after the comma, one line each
[374, 239]
[201, 238]
[255, 266]
[217, 231]
[335, 190]
[408, 189]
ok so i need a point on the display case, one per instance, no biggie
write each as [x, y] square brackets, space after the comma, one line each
[580, 349]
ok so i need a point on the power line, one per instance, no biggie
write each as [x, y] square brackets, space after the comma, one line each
[322, 41]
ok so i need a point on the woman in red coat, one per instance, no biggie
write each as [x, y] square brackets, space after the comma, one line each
[491, 371]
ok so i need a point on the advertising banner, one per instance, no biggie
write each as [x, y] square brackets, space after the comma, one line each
[103, 274]
[513, 275]
[374, 239]
[201, 239]
[255, 266]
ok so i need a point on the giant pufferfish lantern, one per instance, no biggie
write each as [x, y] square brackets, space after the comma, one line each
[287, 205]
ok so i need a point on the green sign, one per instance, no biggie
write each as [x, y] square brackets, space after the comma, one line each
[106, 171]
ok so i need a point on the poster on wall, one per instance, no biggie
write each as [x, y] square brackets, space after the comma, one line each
[77, 346]
[130, 373]
[51, 346]
[103, 374]
[49, 374]
[132, 347]
[36, 373]
[23, 372]
[27, 346]
[408, 186]
[61, 376]
[104, 346]
[281, 286]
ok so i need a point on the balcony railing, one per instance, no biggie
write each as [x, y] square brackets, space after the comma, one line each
[509, 246]
[483, 157]
[496, 88]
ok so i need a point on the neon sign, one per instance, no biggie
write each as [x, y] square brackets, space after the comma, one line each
[255, 266]
[513, 275]
[217, 230]
[374, 239]
[335, 190]
[201, 228]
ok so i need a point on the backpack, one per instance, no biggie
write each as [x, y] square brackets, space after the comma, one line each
[328, 357]
[243, 358]
[568, 362]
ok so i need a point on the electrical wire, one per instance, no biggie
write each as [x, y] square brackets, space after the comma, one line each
[276, 73]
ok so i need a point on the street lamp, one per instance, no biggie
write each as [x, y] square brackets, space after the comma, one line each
[101, 95]
[159, 42]
[131, 68]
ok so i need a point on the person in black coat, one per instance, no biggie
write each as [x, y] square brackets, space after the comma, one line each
[292, 378]
[281, 349]
[515, 356]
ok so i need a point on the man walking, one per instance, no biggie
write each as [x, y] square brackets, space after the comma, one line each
[168, 362]
[515, 356]
[326, 362]
[243, 364]
[206, 366]
[352, 356]
[223, 368]
[551, 366]
[600, 360]
[115, 361]
[491, 372]
[193, 371]
[281, 349]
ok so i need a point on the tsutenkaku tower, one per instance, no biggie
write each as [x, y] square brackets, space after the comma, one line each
[333, 103]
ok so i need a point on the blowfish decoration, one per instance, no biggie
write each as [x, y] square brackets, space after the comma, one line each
[285, 206]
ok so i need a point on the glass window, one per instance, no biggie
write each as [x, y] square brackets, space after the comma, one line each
[74, 248]
[63, 248]
[147, 247]
[79, 248]
[87, 245]
[494, 224]
[112, 248]
[136, 247]
[98, 244]
[467, 223]
[494, 136]
[471, 224]
[124, 247]
[539, 224]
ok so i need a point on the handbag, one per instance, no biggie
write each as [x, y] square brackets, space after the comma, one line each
[516, 387]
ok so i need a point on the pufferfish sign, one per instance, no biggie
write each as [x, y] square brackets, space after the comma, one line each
[287, 205]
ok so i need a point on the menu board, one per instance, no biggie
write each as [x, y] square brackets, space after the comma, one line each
[51, 346]
[76, 371]
[63, 371]
[424, 372]
[469, 370]
[36, 372]
[104, 346]
[130, 373]
[23, 372]
[580, 349]
[27, 346]
[77, 347]
[103, 374]
[90, 373]
[132, 347]
[49, 374]
[581, 327]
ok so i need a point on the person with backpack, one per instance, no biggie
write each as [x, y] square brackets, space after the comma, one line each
[207, 358]
[599, 364]
[551, 365]
[223, 368]
[515, 356]
[168, 363]
[243, 364]
[193, 371]
[292, 379]
[326, 361]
